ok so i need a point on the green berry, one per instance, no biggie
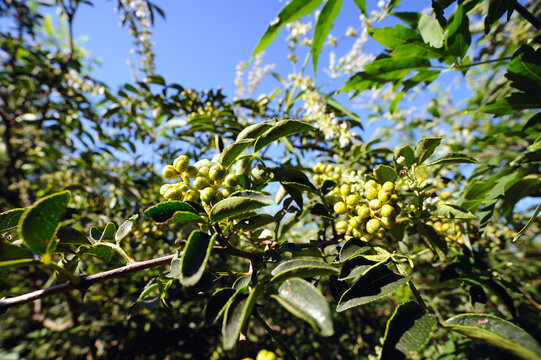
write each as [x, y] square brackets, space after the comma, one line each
[366, 237]
[370, 193]
[383, 196]
[345, 190]
[231, 180]
[164, 188]
[217, 173]
[342, 227]
[371, 184]
[329, 169]
[169, 172]
[227, 191]
[340, 207]
[355, 222]
[387, 221]
[356, 233]
[363, 211]
[174, 193]
[386, 210]
[373, 225]
[352, 200]
[388, 186]
[375, 204]
[181, 163]
[393, 200]
[191, 172]
[208, 194]
[200, 182]
[380, 233]
[203, 171]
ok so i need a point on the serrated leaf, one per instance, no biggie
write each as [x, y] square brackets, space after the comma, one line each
[232, 151]
[408, 331]
[194, 257]
[301, 268]
[496, 332]
[238, 310]
[11, 255]
[173, 211]
[238, 203]
[293, 11]
[10, 219]
[353, 247]
[216, 304]
[431, 31]
[40, 222]
[324, 23]
[70, 236]
[281, 129]
[253, 131]
[454, 158]
[385, 173]
[425, 148]
[376, 283]
[355, 267]
[304, 300]
[450, 211]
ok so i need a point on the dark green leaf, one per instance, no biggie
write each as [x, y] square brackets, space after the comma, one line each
[431, 31]
[512, 104]
[194, 257]
[107, 234]
[351, 248]
[354, 267]
[434, 240]
[385, 173]
[40, 222]
[11, 255]
[496, 8]
[327, 186]
[301, 268]
[524, 70]
[70, 236]
[496, 332]
[254, 222]
[10, 219]
[172, 211]
[528, 223]
[292, 177]
[320, 210]
[323, 25]
[361, 4]
[337, 106]
[303, 300]
[293, 11]
[232, 151]
[408, 330]
[458, 37]
[454, 158]
[253, 131]
[238, 310]
[376, 283]
[238, 203]
[407, 153]
[216, 304]
[425, 148]
[281, 129]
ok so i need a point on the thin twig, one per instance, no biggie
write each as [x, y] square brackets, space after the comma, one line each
[528, 16]
[274, 335]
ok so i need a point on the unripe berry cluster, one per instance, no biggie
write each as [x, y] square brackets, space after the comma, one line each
[208, 182]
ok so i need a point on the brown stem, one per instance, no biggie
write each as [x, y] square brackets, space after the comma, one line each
[528, 16]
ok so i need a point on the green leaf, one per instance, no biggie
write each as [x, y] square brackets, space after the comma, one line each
[217, 304]
[407, 153]
[385, 173]
[40, 222]
[496, 9]
[458, 37]
[393, 37]
[11, 255]
[354, 267]
[450, 211]
[124, 229]
[431, 31]
[10, 219]
[496, 332]
[512, 104]
[334, 104]
[107, 233]
[253, 131]
[528, 223]
[281, 129]
[237, 313]
[173, 211]
[238, 203]
[301, 268]
[524, 70]
[408, 331]
[232, 151]
[304, 300]
[454, 158]
[254, 222]
[353, 247]
[293, 11]
[376, 283]
[194, 257]
[434, 240]
[361, 4]
[323, 25]
[425, 148]
[327, 186]
[292, 177]
[70, 236]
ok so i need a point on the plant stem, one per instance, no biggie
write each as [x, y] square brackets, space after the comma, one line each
[274, 335]
[528, 16]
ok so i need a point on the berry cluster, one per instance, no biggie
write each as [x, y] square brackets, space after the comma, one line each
[207, 177]
[371, 208]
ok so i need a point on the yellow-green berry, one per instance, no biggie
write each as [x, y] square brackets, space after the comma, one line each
[388, 186]
[355, 222]
[217, 173]
[191, 172]
[373, 225]
[383, 196]
[380, 233]
[386, 210]
[370, 193]
[227, 191]
[164, 188]
[340, 207]
[169, 172]
[352, 200]
[208, 194]
[342, 227]
[231, 180]
[363, 211]
[203, 171]
[192, 195]
[200, 182]
[375, 204]
[356, 233]
[345, 190]
[174, 193]
[181, 163]
[370, 184]
[387, 221]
